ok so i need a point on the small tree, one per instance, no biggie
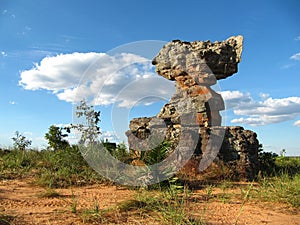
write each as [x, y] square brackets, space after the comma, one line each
[282, 152]
[20, 141]
[56, 137]
[90, 130]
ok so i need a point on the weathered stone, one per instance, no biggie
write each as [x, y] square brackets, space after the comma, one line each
[195, 66]
[218, 59]
[240, 149]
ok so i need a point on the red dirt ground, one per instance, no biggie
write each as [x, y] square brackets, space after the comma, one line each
[23, 200]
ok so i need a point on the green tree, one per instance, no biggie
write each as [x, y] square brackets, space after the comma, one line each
[20, 141]
[282, 152]
[89, 130]
[267, 162]
[56, 137]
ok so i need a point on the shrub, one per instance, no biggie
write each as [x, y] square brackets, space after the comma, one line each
[267, 163]
[64, 168]
[288, 165]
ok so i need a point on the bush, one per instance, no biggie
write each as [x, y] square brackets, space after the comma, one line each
[59, 168]
[267, 163]
[157, 154]
[18, 163]
[64, 168]
[288, 165]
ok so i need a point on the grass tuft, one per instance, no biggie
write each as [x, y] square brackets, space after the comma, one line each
[49, 193]
[282, 188]
[6, 219]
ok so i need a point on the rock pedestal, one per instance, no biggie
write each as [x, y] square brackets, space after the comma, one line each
[195, 67]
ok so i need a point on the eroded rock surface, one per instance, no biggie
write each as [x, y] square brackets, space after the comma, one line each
[195, 67]
[217, 60]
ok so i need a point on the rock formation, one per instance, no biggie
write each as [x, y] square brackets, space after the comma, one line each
[195, 67]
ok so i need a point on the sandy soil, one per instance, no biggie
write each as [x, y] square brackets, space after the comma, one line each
[25, 201]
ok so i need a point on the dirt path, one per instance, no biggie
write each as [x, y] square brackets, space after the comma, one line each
[20, 198]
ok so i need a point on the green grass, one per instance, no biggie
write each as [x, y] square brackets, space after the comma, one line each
[288, 165]
[61, 168]
[6, 219]
[16, 163]
[168, 206]
[165, 203]
[282, 188]
[49, 193]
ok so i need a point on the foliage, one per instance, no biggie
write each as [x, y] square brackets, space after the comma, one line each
[61, 168]
[6, 219]
[56, 137]
[20, 141]
[267, 163]
[65, 168]
[172, 204]
[157, 154]
[282, 152]
[273, 165]
[164, 207]
[121, 153]
[18, 163]
[49, 193]
[288, 165]
[281, 188]
[89, 129]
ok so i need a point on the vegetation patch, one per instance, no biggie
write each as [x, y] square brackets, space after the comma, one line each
[155, 207]
[6, 219]
[282, 188]
[49, 193]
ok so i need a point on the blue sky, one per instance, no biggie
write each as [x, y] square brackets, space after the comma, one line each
[47, 49]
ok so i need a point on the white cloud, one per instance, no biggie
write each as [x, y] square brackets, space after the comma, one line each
[4, 54]
[109, 136]
[297, 123]
[101, 78]
[273, 107]
[297, 38]
[295, 56]
[236, 98]
[62, 125]
[12, 102]
[266, 111]
[264, 95]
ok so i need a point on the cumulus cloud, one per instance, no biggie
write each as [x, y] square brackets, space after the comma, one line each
[264, 95]
[101, 78]
[235, 99]
[295, 56]
[266, 111]
[297, 123]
